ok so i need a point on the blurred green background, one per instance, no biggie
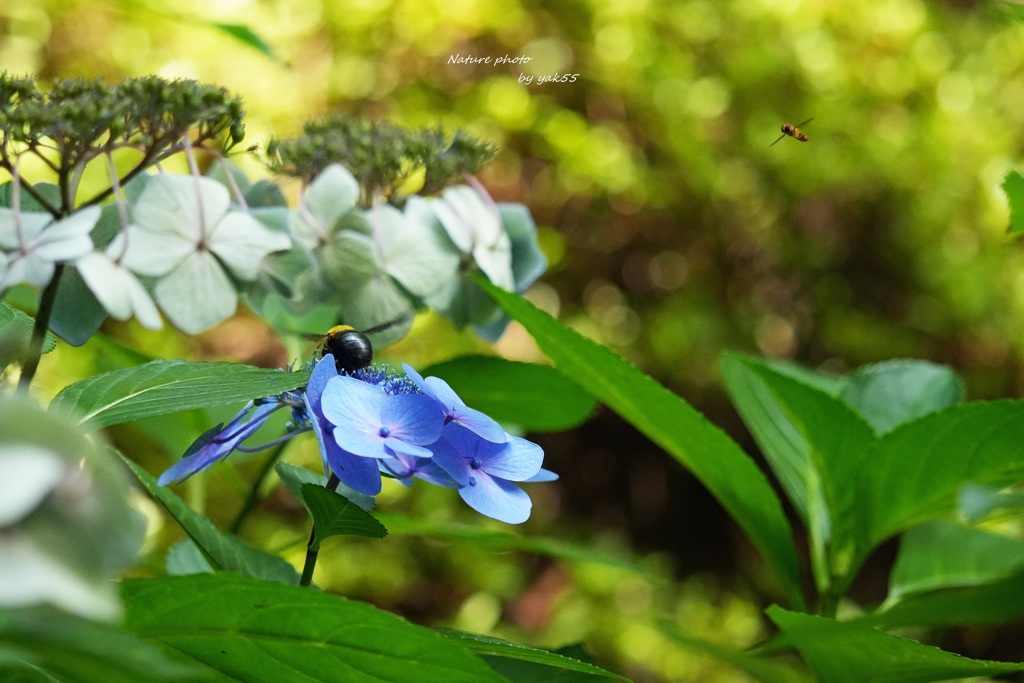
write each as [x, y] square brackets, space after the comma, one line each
[674, 232]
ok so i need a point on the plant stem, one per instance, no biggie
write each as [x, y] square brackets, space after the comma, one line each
[254, 492]
[313, 547]
[35, 346]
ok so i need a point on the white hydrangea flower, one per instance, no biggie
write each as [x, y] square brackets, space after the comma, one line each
[185, 233]
[474, 226]
[34, 243]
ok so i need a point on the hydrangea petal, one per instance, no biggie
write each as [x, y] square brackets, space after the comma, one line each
[518, 460]
[118, 290]
[185, 206]
[497, 498]
[453, 406]
[27, 268]
[411, 252]
[542, 476]
[197, 294]
[153, 253]
[19, 228]
[330, 196]
[413, 418]
[241, 427]
[68, 238]
[241, 242]
[353, 405]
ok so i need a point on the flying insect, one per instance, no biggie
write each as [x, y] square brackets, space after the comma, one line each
[351, 348]
[793, 132]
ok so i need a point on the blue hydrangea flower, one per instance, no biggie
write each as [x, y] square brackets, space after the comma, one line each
[485, 470]
[455, 410]
[372, 423]
[359, 473]
[220, 442]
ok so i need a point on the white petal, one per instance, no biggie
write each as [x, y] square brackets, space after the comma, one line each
[241, 242]
[153, 253]
[27, 475]
[197, 294]
[27, 268]
[30, 574]
[463, 211]
[331, 195]
[68, 238]
[120, 292]
[29, 225]
[181, 205]
[417, 256]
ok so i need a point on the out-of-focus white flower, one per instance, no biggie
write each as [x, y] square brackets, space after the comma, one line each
[66, 526]
[34, 243]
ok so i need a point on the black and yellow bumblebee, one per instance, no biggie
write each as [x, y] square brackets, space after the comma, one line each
[352, 349]
[793, 131]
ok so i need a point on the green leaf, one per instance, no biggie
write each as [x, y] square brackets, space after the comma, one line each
[943, 554]
[1013, 186]
[819, 444]
[260, 631]
[335, 515]
[223, 551]
[294, 477]
[537, 398]
[765, 670]
[185, 557]
[541, 664]
[77, 313]
[715, 459]
[15, 334]
[915, 471]
[854, 653]
[44, 644]
[897, 391]
[472, 534]
[169, 386]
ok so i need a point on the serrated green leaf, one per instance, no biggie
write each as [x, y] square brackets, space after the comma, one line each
[915, 471]
[169, 386]
[335, 515]
[1013, 185]
[537, 398]
[893, 392]
[992, 603]
[225, 552]
[542, 665]
[44, 644]
[764, 670]
[715, 459]
[15, 334]
[854, 653]
[260, 631]
[943, 554]
[826, 443]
